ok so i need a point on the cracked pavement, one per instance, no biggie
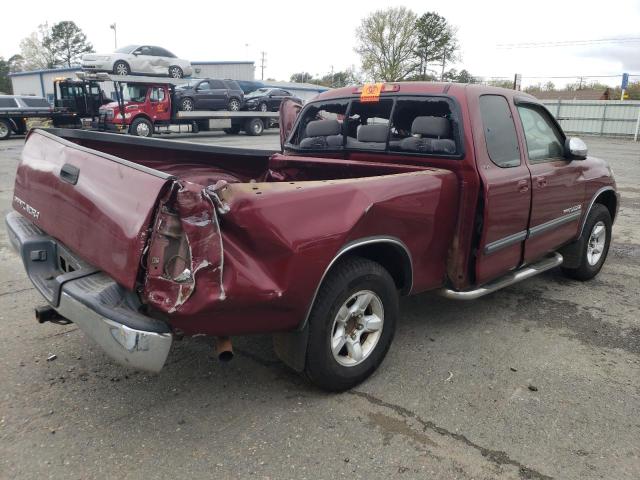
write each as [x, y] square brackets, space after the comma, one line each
[540, 380]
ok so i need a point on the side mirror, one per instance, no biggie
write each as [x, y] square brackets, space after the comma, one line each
[575, 148]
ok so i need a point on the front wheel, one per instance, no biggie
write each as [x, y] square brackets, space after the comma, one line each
[121, 68]
[595, 241]
[263, 107]
[351, 325]
[141, 127]
[176, 72]
[234, 105]
[186, 105]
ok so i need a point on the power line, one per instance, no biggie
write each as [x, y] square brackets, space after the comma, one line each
[571, 43]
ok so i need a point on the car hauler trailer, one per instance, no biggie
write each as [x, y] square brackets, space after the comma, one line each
[144, 106]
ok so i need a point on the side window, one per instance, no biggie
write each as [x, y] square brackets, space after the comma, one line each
[367, 125]
[499, 131]
[423, 125]
[203, 86]
[216, 84]
[157, 94]
[144, 50]
[544, 142]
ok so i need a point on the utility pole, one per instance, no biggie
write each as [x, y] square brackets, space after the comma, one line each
[262, 64]
[332, 76]
[115, 35]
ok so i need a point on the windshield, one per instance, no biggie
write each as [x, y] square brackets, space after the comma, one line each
[135, 93]
[258, 93]
[127, 49]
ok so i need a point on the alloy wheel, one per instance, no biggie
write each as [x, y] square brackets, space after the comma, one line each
[357, 328]
[596, 243]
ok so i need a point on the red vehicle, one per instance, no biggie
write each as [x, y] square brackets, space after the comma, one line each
[145, 105]
[378, 192]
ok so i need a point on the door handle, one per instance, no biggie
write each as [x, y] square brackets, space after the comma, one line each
[541, 181]
[69, 173]
[523, 186]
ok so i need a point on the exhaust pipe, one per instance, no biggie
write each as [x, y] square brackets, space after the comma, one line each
[45, 313]
[223, 349]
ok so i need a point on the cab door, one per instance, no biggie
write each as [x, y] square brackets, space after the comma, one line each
[142, 61]
[159, 104]
[506, 187]
[558, 188]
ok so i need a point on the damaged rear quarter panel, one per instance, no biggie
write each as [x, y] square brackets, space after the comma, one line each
[279, 237]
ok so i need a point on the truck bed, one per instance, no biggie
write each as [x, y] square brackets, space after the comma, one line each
[224, 240]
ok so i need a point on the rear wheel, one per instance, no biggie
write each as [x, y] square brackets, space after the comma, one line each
[141, 127]
[234, 105]
[263, 107]
[5, 129]
[351, 325]
[232, 131]
[121, 68]
[254, 127]
[595, 241]
[176, 72]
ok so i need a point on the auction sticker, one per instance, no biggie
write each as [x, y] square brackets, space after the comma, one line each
[371, 92]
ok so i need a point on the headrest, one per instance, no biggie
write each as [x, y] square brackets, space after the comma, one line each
[373, 133]
[431, 127]
[323, 128]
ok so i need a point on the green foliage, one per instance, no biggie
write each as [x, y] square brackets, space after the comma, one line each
[68, 43]
[386, 44]
[301, 77]
[5, 81]
[36, 51]
[463, 76]
[436, 42]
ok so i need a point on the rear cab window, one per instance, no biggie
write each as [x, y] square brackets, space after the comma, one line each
[422, 125]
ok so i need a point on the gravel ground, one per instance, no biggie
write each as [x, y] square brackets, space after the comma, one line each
[540, 380]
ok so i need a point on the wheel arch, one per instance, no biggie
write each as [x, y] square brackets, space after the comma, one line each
[606, 196]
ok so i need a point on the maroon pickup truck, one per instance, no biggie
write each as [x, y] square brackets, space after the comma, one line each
[379, 191]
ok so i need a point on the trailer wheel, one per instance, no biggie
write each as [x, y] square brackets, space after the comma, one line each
[141, 127]
[121, 68]
[254, 127]
[5, 129]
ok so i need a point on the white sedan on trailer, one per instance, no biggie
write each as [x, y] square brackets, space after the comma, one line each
[138, 60]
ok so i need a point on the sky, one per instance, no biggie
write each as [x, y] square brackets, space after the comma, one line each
[318, 36]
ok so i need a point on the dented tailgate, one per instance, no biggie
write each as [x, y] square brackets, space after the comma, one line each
[98, 205]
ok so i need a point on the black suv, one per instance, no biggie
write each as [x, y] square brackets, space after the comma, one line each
[209, 94]
[266, 99]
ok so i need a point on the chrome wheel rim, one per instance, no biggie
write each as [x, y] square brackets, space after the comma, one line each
[121, 69]
[4, 130]
[357, 328]
[187, 105]
[263, 107]
[175, 72]
[234, 106]
[597, 242]
[257, 128]
[142, 129]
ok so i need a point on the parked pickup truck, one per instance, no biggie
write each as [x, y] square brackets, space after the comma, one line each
[379, 191]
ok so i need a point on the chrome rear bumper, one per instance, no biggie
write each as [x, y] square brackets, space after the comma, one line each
[101, 308]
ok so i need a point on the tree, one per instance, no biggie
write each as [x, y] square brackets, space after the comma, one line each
[36, 49]
[463, 76]
[5, 81]
[436, 42]
[301, 77]
[16, 63]
[68, 43]
[386, 44]
[341, 78]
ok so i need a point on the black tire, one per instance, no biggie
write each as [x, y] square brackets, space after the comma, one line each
[263, 107]
[232, 131]
[254, 127]
[176, 72]
[234, 105]
[587, 266]
[345, 280]
[195, 128]
[187, 104]
[141, 127]
[5, 129]
[121, 68]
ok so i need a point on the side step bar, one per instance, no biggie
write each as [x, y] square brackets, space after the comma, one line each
[547, 263]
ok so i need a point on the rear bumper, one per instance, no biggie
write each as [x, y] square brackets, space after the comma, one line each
[101, 308]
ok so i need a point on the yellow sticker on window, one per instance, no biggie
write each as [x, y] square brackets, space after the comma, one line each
[371, 92]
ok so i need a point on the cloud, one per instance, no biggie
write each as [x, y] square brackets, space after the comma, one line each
[628, 56]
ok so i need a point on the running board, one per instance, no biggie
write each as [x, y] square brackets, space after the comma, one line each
[547, 263]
